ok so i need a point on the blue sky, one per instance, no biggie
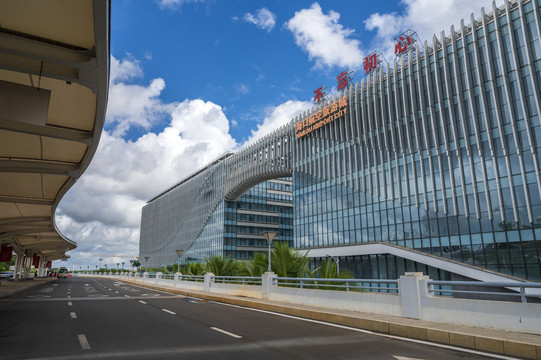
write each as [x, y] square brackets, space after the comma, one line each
[210, 50]
[192, 79]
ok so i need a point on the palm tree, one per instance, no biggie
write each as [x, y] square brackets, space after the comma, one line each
[286, 262]
[327, 270]
[192, 269]
[220, 266]
[255, 267]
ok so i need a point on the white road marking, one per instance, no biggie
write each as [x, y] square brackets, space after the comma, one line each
[142, 302]
[127, 295]
[73, 315]
[450, 347]
[116, 292]
[69, 296]
[227, 333]
[169, 311]
[84, 342]
[69, 303]
[405, 358]
[161, 291]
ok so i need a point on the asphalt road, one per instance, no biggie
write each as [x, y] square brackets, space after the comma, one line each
[87, 318]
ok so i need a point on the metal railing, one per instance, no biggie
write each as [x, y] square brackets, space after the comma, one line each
[376, 285]
[239, 280]
[445, 288]
[196, 278]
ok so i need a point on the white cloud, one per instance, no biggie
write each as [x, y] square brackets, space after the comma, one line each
[176, 4]
[324, 38]
[242, 88]
[133, 104]
[103, 209]
[263, 19]
[278, 116]
[125, 69]
[426, 17]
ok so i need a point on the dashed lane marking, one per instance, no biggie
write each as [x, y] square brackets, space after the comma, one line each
[169, 311]
[226, 332]
[83, 341]
[73, 315]
[69, 303]
[142, 302]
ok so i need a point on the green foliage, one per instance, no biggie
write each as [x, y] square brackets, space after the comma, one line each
[192, 269]
[328, 270]
[4, 266]
[255, 267]
[286, 262]
[220, 266]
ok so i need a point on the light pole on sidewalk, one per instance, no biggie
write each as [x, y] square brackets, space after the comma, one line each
[269, 236]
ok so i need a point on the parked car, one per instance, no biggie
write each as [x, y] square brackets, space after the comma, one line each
[6, 274]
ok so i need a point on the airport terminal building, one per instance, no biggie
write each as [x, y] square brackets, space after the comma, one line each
[428, 164]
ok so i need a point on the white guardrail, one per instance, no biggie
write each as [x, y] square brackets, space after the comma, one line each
[413, 295]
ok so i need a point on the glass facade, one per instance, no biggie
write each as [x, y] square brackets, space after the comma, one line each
[233, 228]
[265, 207]
[439, 154]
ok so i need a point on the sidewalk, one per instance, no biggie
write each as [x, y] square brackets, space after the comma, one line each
[489, 340]
[9, 288]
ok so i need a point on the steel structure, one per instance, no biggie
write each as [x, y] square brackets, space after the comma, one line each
[54, 74]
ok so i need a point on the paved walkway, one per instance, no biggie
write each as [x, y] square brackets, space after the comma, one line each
[10, 287]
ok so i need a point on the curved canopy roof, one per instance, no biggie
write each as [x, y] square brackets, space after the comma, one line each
[54, 71]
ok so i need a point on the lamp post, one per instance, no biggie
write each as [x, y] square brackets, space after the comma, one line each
[100, 263]
[123, 265]
[146, 263]
[179, 252]
[269, 236]
[335, 258]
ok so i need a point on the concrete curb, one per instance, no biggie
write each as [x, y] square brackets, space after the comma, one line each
[400, 327]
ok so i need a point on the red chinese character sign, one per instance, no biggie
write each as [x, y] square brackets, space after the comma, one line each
[370, 63]
[343, 79]
[319, 94]
[405, 42]
[402, 45]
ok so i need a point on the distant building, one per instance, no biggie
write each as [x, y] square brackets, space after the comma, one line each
[231, 228]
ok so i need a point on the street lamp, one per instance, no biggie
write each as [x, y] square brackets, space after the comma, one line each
[335, 258]
[123, 265]
[146, 263]
[100, 263]
[269, 236]
[179, 252]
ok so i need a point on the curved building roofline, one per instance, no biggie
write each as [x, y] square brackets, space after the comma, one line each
[54, 78]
